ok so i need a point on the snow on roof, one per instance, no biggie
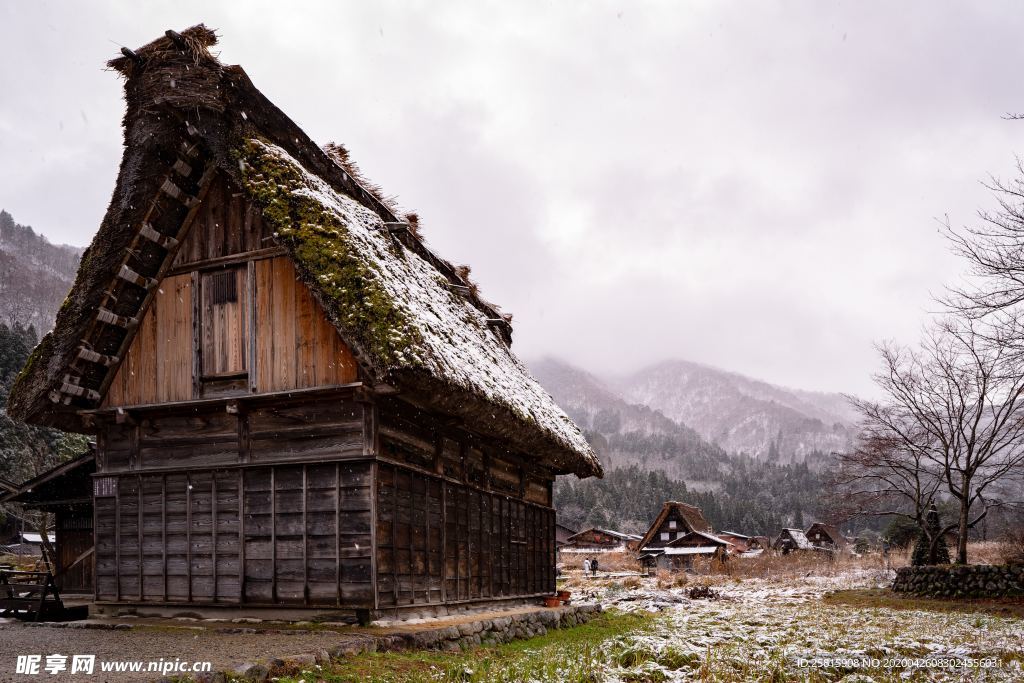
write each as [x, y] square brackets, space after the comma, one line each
[29, 537]
[732, 533]
[799, 538]
[693, 550]
[423, 324]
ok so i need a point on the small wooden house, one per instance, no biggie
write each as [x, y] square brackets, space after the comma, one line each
[563, 534]
[674, 521]
[826, 536]
[739, 542]
[66, 492]
[296, 402]
[790, 540]
[602, 540]
[680, 553]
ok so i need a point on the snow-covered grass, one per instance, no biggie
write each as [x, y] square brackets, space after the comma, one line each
[780, 630]
[750, 630]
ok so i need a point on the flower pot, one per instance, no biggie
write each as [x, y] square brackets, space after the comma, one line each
[564, 595]
[552, 601]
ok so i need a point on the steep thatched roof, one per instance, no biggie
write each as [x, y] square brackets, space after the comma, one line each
[690, 515]
[835, 537]
[412, 319]
[794, 537]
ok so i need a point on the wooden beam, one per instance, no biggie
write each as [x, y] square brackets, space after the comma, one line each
[150, 233]
[90, 356]
[129, 275]
[229, 260]
[172, 249]
[110, 318]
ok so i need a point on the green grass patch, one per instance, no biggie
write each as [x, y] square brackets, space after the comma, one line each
[875, 598]
[575, 654]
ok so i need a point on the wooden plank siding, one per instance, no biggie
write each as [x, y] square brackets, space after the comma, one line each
[452, 523]
[157, 367]
[225, 225]
[247, 469]
[187, 520]
[294, 345]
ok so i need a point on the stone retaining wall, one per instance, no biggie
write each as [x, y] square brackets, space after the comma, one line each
[961, 581]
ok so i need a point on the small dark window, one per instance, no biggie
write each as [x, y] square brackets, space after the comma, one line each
[224, 324]
[223, 288]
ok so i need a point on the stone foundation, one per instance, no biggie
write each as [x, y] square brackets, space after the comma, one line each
[961, 581]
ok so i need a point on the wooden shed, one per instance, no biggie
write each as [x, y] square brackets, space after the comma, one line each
[790, 540]
[674, 521]
[66, 492]
[296, 402]
[602, 540]
[826, 536]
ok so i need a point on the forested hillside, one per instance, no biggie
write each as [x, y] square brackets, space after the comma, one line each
[754, 498]
[26, 450]
[650, 458]
[35, 275]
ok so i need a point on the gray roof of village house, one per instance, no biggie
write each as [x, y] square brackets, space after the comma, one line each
[799, 538]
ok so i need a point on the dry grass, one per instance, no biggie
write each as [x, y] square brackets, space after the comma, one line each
[797, 564]
[883, 598]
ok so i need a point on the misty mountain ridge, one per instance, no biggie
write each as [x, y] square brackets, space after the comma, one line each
[725, 410]
[35, 275]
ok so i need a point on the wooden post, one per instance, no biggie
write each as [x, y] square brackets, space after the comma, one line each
[163, 528]
[337, 532]
[241, 535]
[139, 530]
[188, 532]
[305, 538]
[273, 536]
[213, 530]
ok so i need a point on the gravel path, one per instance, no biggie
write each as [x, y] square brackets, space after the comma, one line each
[224, 650]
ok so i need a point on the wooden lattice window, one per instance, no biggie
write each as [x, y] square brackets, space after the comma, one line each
[224, 324]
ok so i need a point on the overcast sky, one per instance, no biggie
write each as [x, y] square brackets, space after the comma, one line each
[753, 185]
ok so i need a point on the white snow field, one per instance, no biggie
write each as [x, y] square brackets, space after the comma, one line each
[757, 630]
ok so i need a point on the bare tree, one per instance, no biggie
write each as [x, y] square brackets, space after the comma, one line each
[887, 473]
[957, 403]
[995, 251]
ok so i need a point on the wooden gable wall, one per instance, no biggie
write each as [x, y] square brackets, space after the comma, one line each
[271, 336]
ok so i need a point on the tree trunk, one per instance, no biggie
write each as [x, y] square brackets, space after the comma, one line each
[961, 542]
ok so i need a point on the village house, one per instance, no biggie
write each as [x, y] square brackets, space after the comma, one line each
[790, 540]
[674, 521]
[65, 491]
[601, 540]
[680, 553]
[739, 542]
[827, 537]
[563, 534]
[296, 402]
[762, 543]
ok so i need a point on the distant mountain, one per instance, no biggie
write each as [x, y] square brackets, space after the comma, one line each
[625, 434]
[35, 275]
[743, 415]
[650, 458]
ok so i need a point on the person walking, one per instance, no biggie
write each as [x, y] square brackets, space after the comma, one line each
[586, 566]
[593, 566]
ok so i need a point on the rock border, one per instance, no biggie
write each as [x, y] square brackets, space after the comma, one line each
[961, 581]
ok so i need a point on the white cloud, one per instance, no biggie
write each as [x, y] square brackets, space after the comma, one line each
[750, 186]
